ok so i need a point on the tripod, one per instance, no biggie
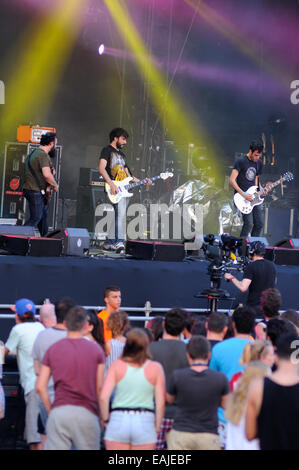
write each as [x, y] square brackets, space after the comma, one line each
[214, 293]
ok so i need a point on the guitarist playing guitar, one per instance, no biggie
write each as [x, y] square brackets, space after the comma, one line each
[113, 167]
[245, 174]
[39, 175]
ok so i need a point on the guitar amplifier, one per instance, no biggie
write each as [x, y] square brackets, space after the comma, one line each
[90, 177]
[13, 204]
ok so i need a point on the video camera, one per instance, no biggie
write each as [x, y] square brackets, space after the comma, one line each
[224, 252]
[225, 249]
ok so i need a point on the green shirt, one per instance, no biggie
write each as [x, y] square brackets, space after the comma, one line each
[39, 159]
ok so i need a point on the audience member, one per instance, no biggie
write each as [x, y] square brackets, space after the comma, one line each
[216, 327]
[270, 305]
[112, 298]
[47, 315]
[77, 367]
[149, 334]
[156, 327]
[118, 323]
[43, 341]
[230, 331]
[292, 316]
[198, 391]
[226, 355]
[199, 326]
[20, 342]
[257, 350]
[277, 327]
[138, 405]
[236, 408]
[189, 320]
[170, 351]
[273, 406]
[95, 329]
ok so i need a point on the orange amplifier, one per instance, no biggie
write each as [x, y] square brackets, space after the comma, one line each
[32, 133]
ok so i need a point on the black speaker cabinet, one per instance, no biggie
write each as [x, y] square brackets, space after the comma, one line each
[31, 246]
[88, 199]
[13, 204]
[280, 223]
[155, 251]
[75, 241]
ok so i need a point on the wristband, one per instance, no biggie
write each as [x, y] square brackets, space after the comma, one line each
[231, 278]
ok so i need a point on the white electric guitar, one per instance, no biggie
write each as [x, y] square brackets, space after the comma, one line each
[246, 206]
[124, 186]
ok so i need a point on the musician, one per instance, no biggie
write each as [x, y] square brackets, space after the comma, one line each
[39, 174]
[113, 167]
[245, 174]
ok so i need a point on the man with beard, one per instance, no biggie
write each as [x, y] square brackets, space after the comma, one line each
[113, 167]
[39, 175]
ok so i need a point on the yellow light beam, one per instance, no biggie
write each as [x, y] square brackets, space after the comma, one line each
[44, 49]
[182, 125]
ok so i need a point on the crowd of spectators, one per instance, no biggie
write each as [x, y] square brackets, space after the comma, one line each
[215, 381]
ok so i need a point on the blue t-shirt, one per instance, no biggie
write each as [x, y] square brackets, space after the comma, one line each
[226, 357]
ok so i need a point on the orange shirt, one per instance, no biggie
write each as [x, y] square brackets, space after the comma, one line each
[104, 315]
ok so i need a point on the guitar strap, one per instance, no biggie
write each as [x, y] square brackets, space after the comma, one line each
[35, 177]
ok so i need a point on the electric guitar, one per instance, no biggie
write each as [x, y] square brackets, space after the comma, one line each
[246, 206]
[124, 186]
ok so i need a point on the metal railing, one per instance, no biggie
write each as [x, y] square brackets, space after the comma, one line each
[147, 310]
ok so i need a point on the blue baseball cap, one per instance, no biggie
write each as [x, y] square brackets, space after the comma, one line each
[23, 306]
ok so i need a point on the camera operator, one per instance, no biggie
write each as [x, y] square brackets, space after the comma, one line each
[259, 275]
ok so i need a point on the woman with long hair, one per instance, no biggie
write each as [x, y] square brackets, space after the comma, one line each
[258, 350]
[118, 323]
[236, 408]
[138, 404]
[95, 331]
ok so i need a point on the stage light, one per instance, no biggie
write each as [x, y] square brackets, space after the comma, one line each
[101, 49]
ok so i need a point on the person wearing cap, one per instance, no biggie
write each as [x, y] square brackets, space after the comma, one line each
[20, 342]
[259, 275]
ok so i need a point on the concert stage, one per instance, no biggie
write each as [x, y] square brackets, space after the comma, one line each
[164, 284]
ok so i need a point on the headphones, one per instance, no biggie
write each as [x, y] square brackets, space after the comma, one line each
[257, 248]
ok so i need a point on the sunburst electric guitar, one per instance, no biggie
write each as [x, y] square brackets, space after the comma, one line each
[246, 206]
[125, 185]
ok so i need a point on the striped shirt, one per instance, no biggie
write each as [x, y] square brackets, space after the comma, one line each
[116, 351]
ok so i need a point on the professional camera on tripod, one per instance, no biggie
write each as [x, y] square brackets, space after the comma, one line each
[224, 253]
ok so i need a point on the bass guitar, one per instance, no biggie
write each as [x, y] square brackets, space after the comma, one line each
[246, 206]
[125, 185]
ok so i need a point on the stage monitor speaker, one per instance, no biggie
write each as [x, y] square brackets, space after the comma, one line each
[292, 243]
[155, 251]
[75, 240]
[16, 230]
[31, 246]
[283, 256]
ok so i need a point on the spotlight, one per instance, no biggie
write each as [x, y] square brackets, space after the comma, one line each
[101, 49]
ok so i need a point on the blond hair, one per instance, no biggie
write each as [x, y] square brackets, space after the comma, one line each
[254, 351]
[237, 401]
[118, 322]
